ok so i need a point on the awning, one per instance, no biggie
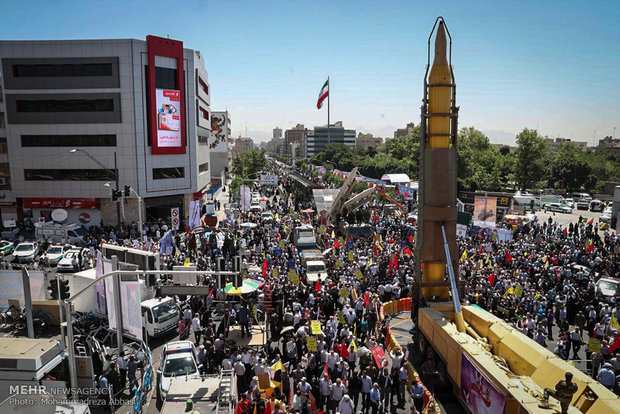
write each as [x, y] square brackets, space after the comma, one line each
[396, 178]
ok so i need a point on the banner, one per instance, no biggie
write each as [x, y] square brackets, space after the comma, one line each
[130, 303]
[461, 231]
[100, 305]
[12, 286]
[168, 106]
[504, 235]
[485, 211]
[245, 196]
[480, 396]
[268, 179]
[408, 193]
[194, 214]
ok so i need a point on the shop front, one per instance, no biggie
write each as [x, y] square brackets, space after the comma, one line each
[8, 209]
[82, 211]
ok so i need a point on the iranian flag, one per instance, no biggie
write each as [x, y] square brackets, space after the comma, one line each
[323, 94]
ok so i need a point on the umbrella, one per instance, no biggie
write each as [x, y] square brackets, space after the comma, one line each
[248, 286]
[511, 217]
[263, 198]
[249, 225]
[308, 210]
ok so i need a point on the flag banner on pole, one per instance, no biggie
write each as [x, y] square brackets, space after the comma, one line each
[323, 95]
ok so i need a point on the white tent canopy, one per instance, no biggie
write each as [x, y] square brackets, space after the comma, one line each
[396, 178]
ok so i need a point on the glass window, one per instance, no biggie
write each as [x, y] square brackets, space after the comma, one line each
[203, 85]
[204, 113]
[203, 140]
[3, 146]
[107, 140]
[202, 168]
[165, 173]
[165, 78]
[62, 70]
[65, 105]
[2, 124]
[67, 175]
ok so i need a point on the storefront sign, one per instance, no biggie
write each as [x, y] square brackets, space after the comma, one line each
[52, 203]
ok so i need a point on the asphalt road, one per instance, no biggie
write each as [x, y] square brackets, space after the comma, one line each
[565, 219]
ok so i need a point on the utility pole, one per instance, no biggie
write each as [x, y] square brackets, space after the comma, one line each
[117, 306]
[120, 200]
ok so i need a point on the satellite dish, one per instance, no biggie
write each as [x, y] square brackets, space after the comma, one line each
[59, 215]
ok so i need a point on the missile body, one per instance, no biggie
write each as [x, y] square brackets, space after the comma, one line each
[438, 174]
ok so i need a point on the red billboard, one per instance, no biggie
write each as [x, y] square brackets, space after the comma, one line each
[166, 107]
[65, 203]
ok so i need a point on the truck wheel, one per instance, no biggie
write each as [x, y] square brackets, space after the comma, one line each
[422, 344]
[444, 381]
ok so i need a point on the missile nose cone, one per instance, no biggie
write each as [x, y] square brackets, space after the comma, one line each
[440, 46]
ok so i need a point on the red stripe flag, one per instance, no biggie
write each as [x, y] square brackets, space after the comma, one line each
[591, 221]
[336, 244]
[508, 257]
[565, 232]
[264, 268]
[317, 286]
[323, 94]
[491, 279]
[366, 299]
[411, 238]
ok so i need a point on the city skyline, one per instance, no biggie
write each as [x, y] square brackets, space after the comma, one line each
[546, 66]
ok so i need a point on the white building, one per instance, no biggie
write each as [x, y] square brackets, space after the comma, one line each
[148, 102]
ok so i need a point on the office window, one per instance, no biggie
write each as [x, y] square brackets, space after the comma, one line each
[108, 140]
[202, 168]
[5, 176]
[3, 146]
[62, 70]
[67, 175]
[2, 124]
[204, 114]
[166, 78]
[203, 140]
[165, 173]
[203, 85]
[65, 105]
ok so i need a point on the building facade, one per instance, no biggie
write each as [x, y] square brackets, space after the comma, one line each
[294, 141]
[319, 138]
[241, 145]
[607, 143]
[368, 140]
[554, 145]
[277, 133]
[79, 110]
[403, 132]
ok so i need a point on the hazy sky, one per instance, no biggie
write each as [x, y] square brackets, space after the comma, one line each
[551, 64]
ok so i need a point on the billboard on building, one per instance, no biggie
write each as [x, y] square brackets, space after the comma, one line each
[485, 209]
[168, 108]
[220, 131]
[480, 396]
[269, 179]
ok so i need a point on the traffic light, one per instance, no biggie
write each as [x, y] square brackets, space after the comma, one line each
[116, 194]
[53, 289]
[127, 191]
[64, 289]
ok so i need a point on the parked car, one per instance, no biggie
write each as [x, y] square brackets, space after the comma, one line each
[267, 217]
[605, 216]
[66, 263]
[557, 207]
[55, 253]
[6, 247]
[255, 207]
[597, 205]
[583, 204]
[25, 252]
[179, 359]
[569, 202]
[609, 287]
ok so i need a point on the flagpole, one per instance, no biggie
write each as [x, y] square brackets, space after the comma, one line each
[329, 92]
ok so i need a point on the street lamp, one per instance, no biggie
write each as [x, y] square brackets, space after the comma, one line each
[115, 173]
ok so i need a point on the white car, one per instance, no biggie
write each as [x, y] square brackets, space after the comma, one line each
[66, 263]
[267, 217]
[605, 216]
[178, 359]
[25, 252]
[569, 202]
[55, 253]
[255, 207]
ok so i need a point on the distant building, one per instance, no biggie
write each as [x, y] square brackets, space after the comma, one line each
[368, 140]
[294, 141]
[608, 143]
[241, 145]
[318, 138]
[403, 132]
[554, 145]
[497, 147]
[277, 133]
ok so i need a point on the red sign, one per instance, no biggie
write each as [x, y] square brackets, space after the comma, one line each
[51, 203]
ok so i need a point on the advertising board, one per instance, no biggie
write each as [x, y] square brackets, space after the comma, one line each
[268, 179]
[485, 209]
[168, 108]
[480, 396]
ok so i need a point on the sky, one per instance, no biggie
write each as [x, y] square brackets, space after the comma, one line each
[551, 65]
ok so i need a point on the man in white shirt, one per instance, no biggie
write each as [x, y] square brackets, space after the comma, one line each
[338, 391]
[196, 328]
[239, 368]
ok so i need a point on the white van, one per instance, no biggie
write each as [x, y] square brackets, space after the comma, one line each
[315, 270]
[60, 233]
[159, 316]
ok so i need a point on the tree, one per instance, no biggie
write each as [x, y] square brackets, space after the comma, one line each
[531, 157]
[567, 169]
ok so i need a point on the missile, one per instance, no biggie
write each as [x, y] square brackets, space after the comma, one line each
[437, 216]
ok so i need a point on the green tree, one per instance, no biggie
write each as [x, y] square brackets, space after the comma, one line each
[531, 158]
[568, 169]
